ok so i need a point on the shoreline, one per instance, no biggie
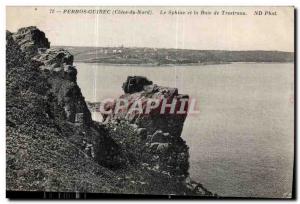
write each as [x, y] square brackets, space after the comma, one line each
[179, 65]
[152, 64]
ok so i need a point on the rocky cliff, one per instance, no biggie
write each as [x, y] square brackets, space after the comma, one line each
[44, 80]
[53, 144]
[156, 127]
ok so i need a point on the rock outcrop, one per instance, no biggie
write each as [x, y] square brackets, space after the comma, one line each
[64, 95]
[59, 63]
[141, 94]
[157, 134]
[31, 39]
[54, 59]
[153, 134]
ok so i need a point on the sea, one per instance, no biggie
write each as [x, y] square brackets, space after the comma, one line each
[241, 139]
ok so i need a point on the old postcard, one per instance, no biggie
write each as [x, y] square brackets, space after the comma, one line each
[170, 102]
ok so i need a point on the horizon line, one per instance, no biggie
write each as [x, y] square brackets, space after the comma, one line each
[170, 48]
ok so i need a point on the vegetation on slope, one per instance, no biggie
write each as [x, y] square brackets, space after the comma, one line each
[44, 149]
[39, 156]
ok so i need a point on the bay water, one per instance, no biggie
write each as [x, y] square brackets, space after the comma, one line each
[242, 140]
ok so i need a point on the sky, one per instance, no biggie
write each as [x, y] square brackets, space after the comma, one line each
[201, 32]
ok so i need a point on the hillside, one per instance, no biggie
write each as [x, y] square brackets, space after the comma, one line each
[53, 145]
[153, 56]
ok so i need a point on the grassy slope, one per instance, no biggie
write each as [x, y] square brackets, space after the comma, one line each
[38, 155]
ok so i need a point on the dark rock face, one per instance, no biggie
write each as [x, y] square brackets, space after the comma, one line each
[59, 62]
[135, 84]
[64, 95]
[170, 154]
[69, 96]
[30, 39]
[157, 134]
[143, 90]
[54, 59]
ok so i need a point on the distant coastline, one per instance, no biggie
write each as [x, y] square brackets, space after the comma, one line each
[154, 65]
[177, 65]
[125, 56]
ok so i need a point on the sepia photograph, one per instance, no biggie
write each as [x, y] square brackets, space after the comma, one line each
[192, 102]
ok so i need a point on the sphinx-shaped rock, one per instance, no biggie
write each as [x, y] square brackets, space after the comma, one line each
[157, 134]
[140, 93]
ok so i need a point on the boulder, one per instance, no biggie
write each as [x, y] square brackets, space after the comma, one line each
[30, 39]
[135, 84]
[54, 58]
